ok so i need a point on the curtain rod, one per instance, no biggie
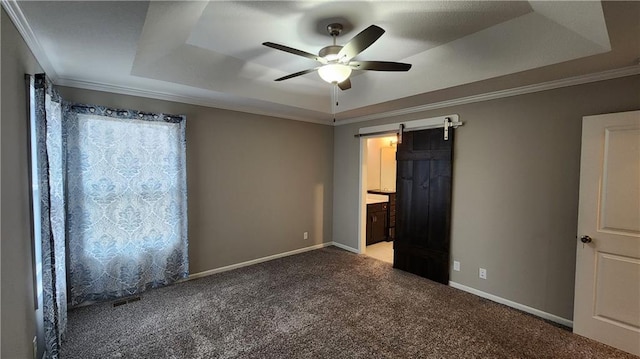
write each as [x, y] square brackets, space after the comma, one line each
[120, 111]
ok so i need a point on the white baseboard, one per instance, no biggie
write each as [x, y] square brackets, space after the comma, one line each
[346, 248]
[512, 304]
[522, 307]
[257, 260]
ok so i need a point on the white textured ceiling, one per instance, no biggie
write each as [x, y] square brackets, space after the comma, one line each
[211, 51]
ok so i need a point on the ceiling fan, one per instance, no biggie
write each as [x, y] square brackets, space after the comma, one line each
[336, 61]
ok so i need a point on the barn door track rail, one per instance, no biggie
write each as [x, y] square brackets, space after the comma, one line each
[444, 122]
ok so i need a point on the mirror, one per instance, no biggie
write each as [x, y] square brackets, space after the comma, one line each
[388, 169]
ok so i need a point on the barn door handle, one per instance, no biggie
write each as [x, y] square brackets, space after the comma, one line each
[585, 239]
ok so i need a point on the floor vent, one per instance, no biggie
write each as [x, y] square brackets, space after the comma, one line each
[126, 301]
[119, 303]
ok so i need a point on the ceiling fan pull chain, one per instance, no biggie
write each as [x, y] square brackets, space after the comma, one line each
[334, 100]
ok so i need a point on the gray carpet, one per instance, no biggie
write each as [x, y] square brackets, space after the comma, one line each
[326, 303]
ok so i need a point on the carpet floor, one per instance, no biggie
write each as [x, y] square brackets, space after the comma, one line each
[326, 303]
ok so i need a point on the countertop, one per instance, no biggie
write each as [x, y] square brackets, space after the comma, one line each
[376, 198]
[380, 191]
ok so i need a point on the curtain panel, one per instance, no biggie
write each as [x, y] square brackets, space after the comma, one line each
[126, 201]
[50, 180]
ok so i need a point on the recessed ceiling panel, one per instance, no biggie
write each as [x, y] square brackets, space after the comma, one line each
[213, 50]
[87, 40]
[520, 44]
[412, 27]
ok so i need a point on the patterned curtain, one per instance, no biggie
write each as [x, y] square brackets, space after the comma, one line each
[49, 157]
[127, 201]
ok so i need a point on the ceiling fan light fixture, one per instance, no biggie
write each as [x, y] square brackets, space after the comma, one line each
[336, 60]
[334, 73]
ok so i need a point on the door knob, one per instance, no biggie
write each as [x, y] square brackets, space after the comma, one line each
[585, 239]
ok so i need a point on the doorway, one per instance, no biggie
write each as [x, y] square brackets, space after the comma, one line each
[379, 181]
[420, 240]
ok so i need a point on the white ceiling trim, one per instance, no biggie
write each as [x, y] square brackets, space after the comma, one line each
[20, 21]
[18, 18]
[571, 81]
[503, 49]
[177, 98]
[544, 86]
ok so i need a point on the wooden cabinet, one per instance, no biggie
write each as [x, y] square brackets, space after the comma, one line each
[391, 221]
[377, 222]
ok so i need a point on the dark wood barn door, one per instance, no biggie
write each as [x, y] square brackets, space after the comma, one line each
[423, 207]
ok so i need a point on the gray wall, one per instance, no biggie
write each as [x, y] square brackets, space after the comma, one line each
[255, 183]
[515, 189]
[18, 310]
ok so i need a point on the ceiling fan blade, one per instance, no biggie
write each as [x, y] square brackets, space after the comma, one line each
[296, 74]
[360, 42]
[379, 66]
[345, 85]
[291, 50]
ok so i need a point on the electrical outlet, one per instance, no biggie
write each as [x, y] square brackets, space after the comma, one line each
[456, 266]
[305, 235]
[482, 273]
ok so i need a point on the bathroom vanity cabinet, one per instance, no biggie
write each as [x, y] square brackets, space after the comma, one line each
[377, 222]
[391, 221]
[390, 215]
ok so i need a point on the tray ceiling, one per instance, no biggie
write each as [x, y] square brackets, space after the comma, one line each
[211, 52]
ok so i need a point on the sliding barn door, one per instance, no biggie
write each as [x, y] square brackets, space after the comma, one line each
[423, 208]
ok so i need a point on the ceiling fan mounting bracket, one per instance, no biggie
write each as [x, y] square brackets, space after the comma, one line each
[334, 29]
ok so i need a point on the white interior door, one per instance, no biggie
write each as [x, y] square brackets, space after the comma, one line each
[607, 293]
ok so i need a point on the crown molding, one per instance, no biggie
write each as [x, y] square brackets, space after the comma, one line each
[544, 86]
[199, 101]
[15, 13]
[20, 21]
